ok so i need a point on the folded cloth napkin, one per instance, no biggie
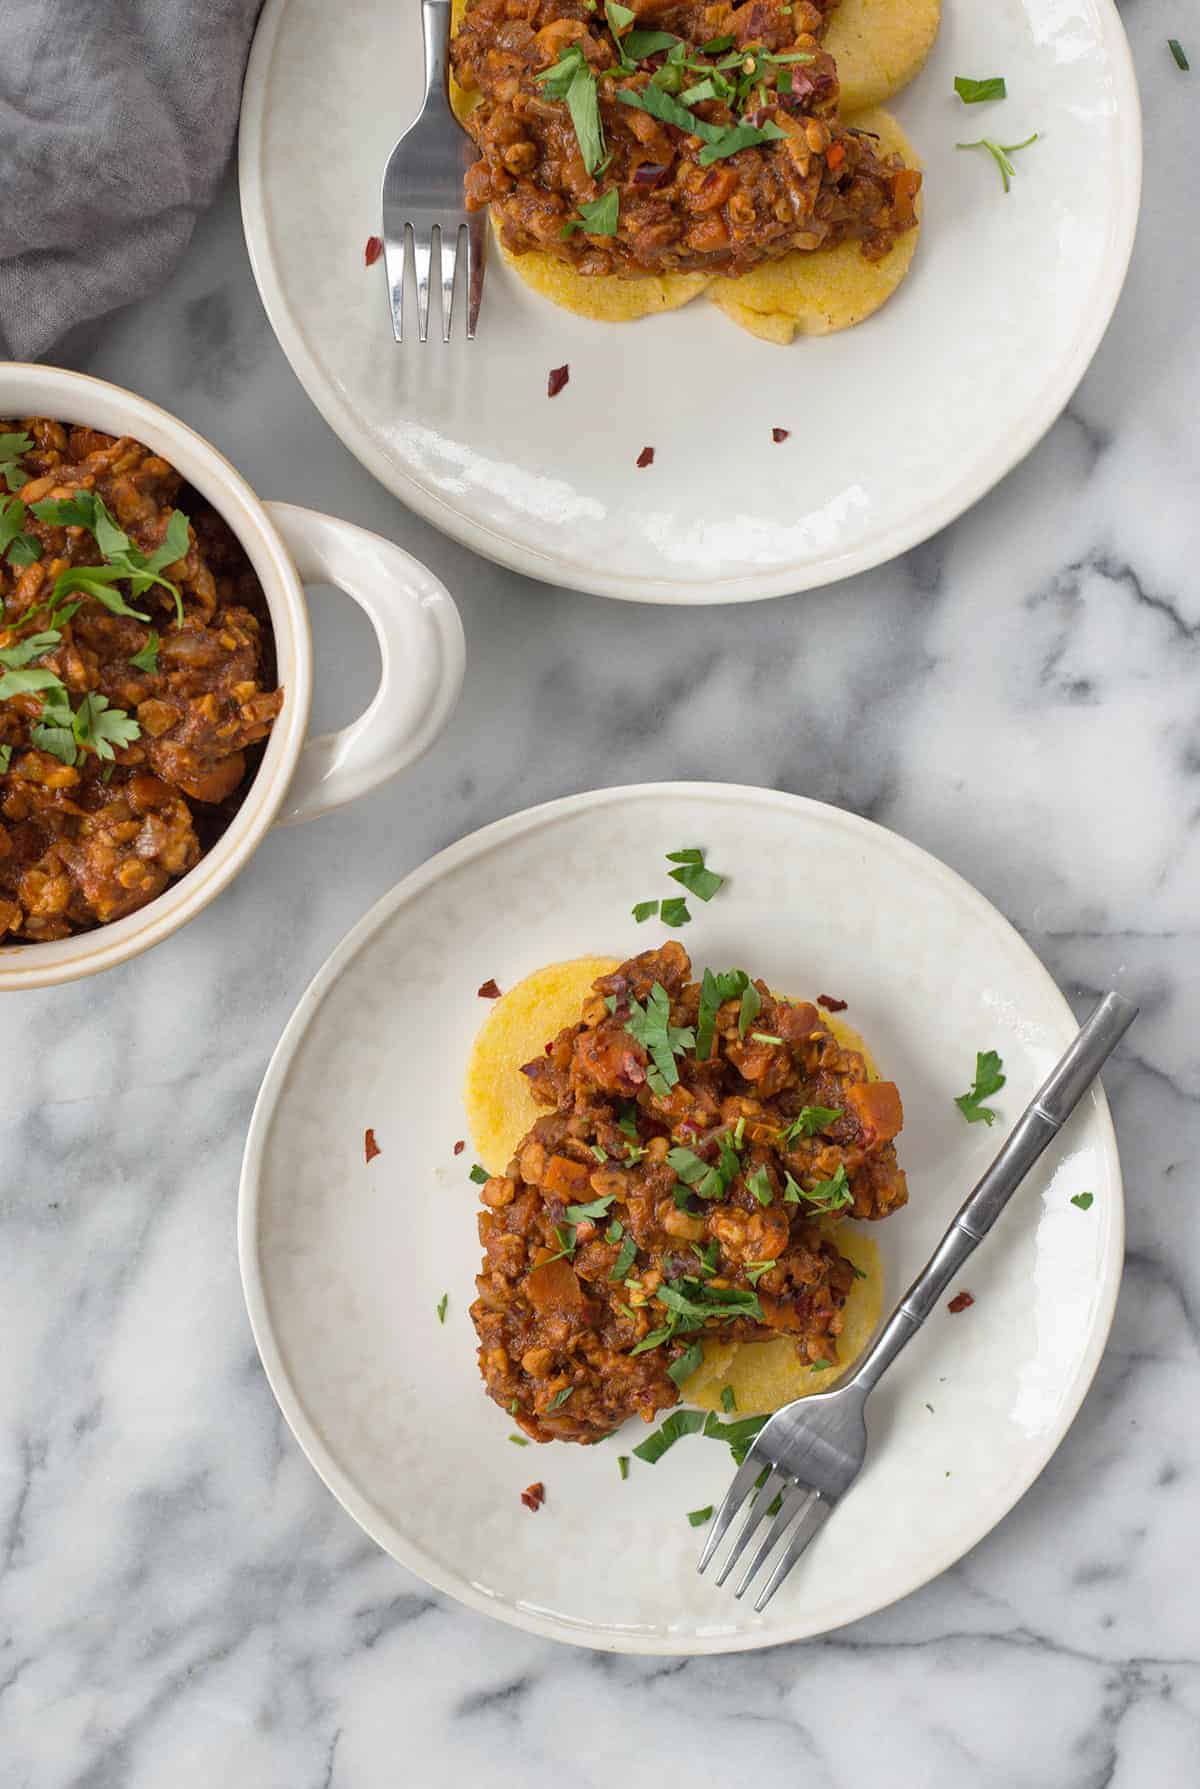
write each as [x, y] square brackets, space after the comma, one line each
[116, 120]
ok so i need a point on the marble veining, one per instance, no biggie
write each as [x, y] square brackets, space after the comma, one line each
[180, 1600]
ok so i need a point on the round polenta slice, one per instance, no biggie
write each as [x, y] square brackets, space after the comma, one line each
[604, 297]
[500, 1107]
[879, 45]
[819, 292]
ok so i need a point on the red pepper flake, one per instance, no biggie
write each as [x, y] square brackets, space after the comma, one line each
[459, 1146]
[549, 1046]
[558, 378]
[835, 155]
[489, 991]
[778, 435]
[961, 1301]
[533, 1496]
[371, 1147]
[372, 251]
[646, 457]
[830, 1004]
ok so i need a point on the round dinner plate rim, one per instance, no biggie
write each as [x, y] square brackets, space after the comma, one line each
[306, 1430]
[741, 587]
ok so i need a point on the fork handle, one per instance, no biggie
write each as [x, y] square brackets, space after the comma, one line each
[435, 22]
[1040, 1122]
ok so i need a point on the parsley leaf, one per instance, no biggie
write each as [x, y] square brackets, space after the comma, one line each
[744, 136]
[692, 875]
[756, 1269]
[728, 1399]
[640, 44]
[699, 1303]
[624, 1260]
[820, 1366]
[715, 990]
[651, 1026]
[11, 449]
[675, 912]
[678, 1424]
[597, 217]
[1083, 1200]
[751, 1007]
[619, 18]
[999, 153]
[479, 1175]
[24, 683]
[715, 45]
[519, 1440]
[698, 1517]
[99, 727]
[6, 753]
[660, 105]
[973, 93]
[559, 1398]
[826, 1195]
[31, 647]
[808, 1121]
[686, 1365]
[571, 79]
[644, 910]
[615, 1231]
[565, 1236]
[623, 1465]
[442, 1302]
[759, 1184]
[765, 1037]
[580, 1214]
[1179, 53]
[989, 1079]
[147, 658]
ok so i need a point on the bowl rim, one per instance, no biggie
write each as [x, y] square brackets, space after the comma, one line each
[29, 389]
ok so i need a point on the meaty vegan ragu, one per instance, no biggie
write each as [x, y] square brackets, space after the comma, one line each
[676, 137]
[697, 1134]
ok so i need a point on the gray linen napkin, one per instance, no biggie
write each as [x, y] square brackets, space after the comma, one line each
[116, 121]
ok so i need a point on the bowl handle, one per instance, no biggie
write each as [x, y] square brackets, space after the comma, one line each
[420, 645]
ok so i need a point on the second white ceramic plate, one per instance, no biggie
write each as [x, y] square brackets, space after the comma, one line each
[896, 427]
[344, 1262]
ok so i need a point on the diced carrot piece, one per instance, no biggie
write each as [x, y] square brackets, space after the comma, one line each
[876, 1105]
[564, 1177]
[554, 1287]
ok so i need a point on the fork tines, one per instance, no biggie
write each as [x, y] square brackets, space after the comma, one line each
[433, 254]
[797, 1514]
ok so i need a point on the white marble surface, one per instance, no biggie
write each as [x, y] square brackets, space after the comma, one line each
[180, 1601]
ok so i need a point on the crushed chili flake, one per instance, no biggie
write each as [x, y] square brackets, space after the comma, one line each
[557, 379]
[830, 1004]
[960, 1302]
[534, 1495]
[778, 435]
[646, 457]
[489, 991]
[371, 1147]
[459, 1146]
[549, 1046]
[372, 251]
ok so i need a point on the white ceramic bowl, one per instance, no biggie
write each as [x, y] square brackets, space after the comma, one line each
[416, 624]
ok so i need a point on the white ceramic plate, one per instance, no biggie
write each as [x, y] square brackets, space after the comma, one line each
[343, 1263]
[897, 426]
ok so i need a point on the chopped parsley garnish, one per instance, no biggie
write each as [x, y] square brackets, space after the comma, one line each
[624, 1260]
[565, 1237]
[572, 80]
[728, 1399]
[125, 562]
[698, 1517]
[655, 1339]
[820, 1366]
[11, 449]
[708, 1256]
[751, 1007]
[598, 1208]
[559, 1398]
[696, 1302]
[651, 1026]
[808, 1121]
[623, 1465]
[615, 1231]
[644, 910]
[705, 1180]
[1173, 44]
[826, 1195]
[715, 45]
[597, 217]
[744, 136]
[442, 1302]
[765, 1037]
[1083, 1200]
[999, 152]
[675, 912]
[678, 1424]
[5, 758]
[22, 549]
[692, 874]
[479, 1175]
[98, 727]
[759, 1184]
[147, 658]
[973, 93]
[989, 1079]
[14, 657]
[756, 1269]
[639, 44]
[518, 1440]
[686, 1365]
[601, 1155]
[715, 990]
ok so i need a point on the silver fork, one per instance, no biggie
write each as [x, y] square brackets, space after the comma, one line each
[812, 1450]
[423, 195]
